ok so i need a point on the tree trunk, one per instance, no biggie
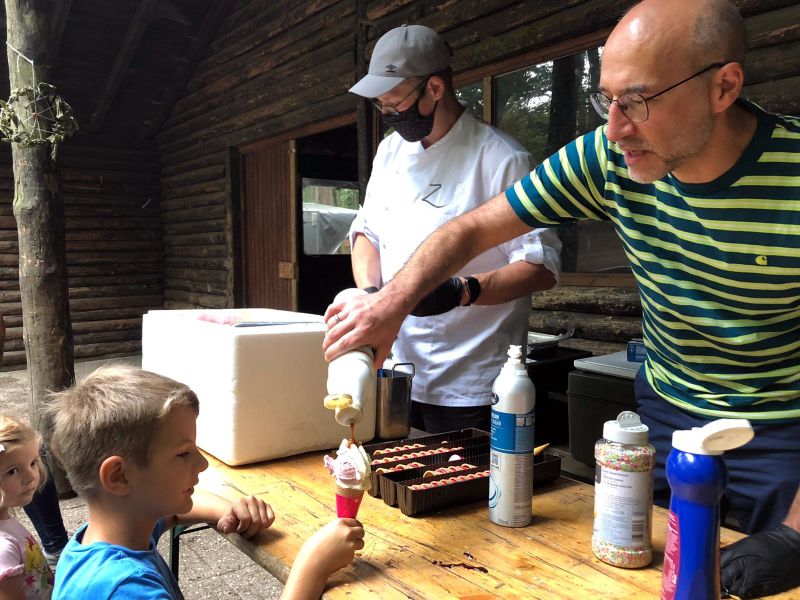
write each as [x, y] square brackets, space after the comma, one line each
[39, 212]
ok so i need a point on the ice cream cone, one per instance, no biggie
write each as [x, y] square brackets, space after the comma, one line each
[348, 501]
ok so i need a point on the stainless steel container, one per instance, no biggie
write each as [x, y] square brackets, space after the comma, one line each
[393, 402]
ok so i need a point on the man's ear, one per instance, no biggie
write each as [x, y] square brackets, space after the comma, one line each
[729, 80]
[114, 476]
[437, 87]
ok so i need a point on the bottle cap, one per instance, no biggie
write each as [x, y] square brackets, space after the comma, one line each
[515, 352]
[627, 429]
[714, 438]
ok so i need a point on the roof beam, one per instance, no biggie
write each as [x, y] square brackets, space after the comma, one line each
[217, 12]
[122, 63]
[57, 25]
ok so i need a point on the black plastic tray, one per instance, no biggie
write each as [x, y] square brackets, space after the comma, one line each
[394, 487]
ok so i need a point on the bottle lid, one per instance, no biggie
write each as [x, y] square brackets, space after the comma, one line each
[515, 352]
[627, 429]
[714, 438]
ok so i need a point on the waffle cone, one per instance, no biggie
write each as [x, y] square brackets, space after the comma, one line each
[348, 502]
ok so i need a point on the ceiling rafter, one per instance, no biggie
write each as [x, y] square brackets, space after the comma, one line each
[122, 63]
[217, 11]
[57, 26]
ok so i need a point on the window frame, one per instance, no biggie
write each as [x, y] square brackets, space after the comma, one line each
[488, 74]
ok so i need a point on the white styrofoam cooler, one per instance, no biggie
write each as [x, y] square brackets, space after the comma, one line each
[260, 387]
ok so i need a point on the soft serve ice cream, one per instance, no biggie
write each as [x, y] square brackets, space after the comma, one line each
[352, 471]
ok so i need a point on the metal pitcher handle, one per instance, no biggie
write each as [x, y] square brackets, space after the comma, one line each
[413, 368]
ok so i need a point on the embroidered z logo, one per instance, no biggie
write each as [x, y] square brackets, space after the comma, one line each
[436, 187]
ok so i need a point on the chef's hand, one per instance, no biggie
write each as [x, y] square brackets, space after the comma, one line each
[363, 320]
[762, 564]
[442, 299]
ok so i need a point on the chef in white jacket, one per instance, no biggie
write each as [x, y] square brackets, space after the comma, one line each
[439, 163]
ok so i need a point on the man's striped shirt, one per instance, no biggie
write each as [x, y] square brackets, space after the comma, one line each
[717, 265]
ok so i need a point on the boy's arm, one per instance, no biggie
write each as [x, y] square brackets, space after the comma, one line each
[245, 516]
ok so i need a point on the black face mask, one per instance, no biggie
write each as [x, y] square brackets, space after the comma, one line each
[411, 125]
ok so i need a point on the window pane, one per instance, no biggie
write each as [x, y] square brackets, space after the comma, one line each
[329, 208]
[471, 96]
[545, 107]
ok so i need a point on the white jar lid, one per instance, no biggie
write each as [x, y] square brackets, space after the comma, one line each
[627, 429]
[714, 438]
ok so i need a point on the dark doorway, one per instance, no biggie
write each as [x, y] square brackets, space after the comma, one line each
[327, 188]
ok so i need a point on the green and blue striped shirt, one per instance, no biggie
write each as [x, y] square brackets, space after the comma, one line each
[717, 265]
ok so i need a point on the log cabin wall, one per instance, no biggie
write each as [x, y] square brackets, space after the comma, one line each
[279, 65]
[114, 248]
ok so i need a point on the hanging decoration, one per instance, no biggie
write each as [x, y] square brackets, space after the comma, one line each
[36, 115]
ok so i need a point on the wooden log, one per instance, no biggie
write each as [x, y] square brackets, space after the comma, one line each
[199, 213]
[212, 172]
[39, 213]
[606, 328]
[622, 302]
[197, 300]
[774, 27]
[782, 96]
[774, 62]
[84, 304]
[219, 277]
[596, 347]
[172, 204]
[195, 239]
[216, 251]
[194, 227]
[221, 263]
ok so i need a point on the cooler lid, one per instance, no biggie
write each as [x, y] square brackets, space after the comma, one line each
[714, 438]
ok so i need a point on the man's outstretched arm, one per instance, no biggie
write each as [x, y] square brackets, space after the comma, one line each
[375, 319]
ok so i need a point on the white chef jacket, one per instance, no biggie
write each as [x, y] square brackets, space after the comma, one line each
[411, 192]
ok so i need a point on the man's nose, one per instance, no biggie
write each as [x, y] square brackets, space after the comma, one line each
[619, 126]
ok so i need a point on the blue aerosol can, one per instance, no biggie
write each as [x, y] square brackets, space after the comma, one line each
[511, 444]
[698, 478]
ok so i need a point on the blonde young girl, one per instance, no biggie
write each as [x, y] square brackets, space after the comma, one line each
[24, 574]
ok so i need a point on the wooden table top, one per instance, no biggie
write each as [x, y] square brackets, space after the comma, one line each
[549, 559]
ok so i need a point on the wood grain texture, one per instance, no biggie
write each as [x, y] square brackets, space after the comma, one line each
[550, 559]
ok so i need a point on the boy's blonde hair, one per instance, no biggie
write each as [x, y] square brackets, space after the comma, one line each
[14, 432]
[115, 411]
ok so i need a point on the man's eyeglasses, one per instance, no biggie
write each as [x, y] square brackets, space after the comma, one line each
[391, 110]
[634, 106]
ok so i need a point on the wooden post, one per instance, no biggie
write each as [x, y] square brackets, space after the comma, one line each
[39, 212]
[364, 118]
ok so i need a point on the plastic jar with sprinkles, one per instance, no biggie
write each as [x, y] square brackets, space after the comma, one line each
[623, 493]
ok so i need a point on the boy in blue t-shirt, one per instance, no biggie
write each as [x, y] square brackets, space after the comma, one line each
[126, 438]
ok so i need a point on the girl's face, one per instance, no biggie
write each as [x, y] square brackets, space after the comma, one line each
[19, 475]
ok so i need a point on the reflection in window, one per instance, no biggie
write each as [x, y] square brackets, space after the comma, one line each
[471, 96]
[545, 107]
[329, 208]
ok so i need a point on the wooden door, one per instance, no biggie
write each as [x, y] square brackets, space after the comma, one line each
[268, 227]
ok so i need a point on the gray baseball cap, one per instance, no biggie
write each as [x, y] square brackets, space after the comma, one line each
[406, 51]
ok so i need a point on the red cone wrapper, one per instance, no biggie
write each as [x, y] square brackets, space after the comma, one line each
[348, 502]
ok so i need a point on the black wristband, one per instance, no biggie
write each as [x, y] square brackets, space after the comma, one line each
[473, 289]
[370, 290]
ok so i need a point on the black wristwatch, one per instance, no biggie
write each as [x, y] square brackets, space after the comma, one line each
[473, 289]
[370, 290]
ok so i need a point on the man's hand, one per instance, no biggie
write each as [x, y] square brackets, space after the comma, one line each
[363, 320]
[762, 564]
[246, 516]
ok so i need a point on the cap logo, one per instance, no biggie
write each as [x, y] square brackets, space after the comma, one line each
[391, 68]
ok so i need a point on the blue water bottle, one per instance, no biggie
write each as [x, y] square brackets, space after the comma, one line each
[697, 477]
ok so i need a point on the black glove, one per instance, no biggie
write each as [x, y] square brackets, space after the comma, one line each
[762, 564]
[445, 297]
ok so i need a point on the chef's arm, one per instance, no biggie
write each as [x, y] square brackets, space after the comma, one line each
[366, 261]
[510, 282]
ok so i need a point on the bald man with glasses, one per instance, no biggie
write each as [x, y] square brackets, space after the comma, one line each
[702, 188]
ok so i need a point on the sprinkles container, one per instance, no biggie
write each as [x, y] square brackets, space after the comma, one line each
[623, 493]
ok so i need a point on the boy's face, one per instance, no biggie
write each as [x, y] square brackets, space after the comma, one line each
[19, 473]
[165, 486]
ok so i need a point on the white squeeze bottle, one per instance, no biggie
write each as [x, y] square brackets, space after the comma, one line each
[511, 460]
